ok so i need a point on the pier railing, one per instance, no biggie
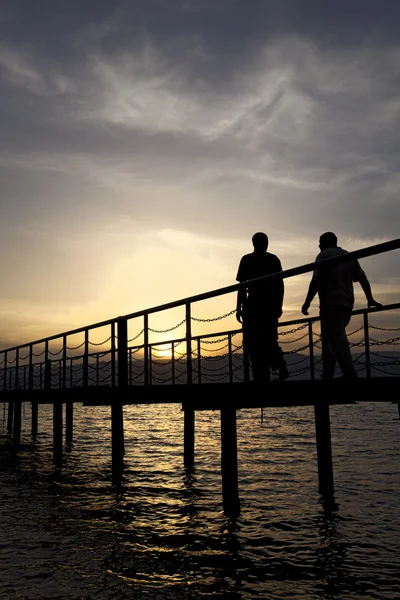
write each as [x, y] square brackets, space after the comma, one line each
[130, 350]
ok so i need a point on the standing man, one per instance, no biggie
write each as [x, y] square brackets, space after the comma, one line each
[335, 289]
[259, 306]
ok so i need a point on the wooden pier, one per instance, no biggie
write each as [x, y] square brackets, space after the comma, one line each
[55, 371]
[227, 399]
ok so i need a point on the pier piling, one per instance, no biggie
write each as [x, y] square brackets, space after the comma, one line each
[324, 448]
[229, 463]
[10, 417]
[35, 415]
[188, 438]
[17, 426]
[57, 433]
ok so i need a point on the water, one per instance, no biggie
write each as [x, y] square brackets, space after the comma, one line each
[164, 535]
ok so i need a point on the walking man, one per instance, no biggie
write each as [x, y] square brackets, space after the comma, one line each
[259, 306]
[336, 295]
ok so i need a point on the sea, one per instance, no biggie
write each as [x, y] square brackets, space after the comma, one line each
[70, 534]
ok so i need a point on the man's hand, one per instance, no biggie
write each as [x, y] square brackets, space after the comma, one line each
[304, 308]
[372, 302]
[239, 315]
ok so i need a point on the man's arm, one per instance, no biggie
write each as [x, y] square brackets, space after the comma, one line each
[241, 296]
[280, 291]
[312, 290]
[366, 287]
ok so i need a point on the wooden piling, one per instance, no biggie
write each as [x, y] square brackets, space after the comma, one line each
[10, 417]
[229, 463]
[117, 415]
[57, 433]
[34, 425]
[117, 441]
[324, 448]
[188, 438]
[17, 426]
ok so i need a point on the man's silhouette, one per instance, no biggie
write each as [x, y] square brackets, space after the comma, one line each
[336, 294]
[259, 306]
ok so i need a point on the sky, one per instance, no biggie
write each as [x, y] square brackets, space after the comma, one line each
[145, 141]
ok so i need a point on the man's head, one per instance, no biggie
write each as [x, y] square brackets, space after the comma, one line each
[260, 241]
[327, 240]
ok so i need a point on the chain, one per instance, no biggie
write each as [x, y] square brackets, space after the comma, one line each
[215, 349]
[389, 342]
[75, 347]
[162, 362]
[10, 362]
[39, 353]
[214, 370]
[215, 318]
[296, 340]
[386, 372]
[215, 341]
[380, 355]
[55, 353]
[298, 350]
[220, 376]
[385, 328]
[166, 330]
[293, 330]
[100, 343]
[136, 336]
[355, 331]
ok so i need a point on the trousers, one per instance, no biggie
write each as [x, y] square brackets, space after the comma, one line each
[336, 349]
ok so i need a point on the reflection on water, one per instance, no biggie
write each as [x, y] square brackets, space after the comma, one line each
[162, 533]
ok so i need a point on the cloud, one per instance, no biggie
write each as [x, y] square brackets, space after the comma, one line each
[189, 134]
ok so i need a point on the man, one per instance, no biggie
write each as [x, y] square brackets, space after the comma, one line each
[259, 306]
[335, 289]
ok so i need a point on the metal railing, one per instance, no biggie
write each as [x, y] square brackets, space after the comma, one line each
[55, 362]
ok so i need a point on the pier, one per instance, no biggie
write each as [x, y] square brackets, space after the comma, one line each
[194, 362]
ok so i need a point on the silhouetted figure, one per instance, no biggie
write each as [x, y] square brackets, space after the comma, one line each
[259, 306]
[336, 295]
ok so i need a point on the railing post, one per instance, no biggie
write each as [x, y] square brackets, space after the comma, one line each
[85, 378]
[311, 344]
[230, 360]
[17, 409]
[189, 421]
[189, 368]
[146, 348]
[34, 405]
[246, 359]
[69, 405]
[199, 359]
[173, 362]
[113, 354]
[47, 367]
[5, 372]
[150, 364]
[10, 414]
[64, 363]
[367, 354]
[122, 332]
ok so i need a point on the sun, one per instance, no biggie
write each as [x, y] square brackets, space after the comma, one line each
[162, 351]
